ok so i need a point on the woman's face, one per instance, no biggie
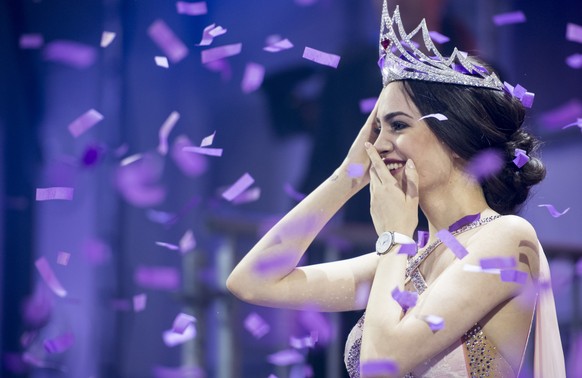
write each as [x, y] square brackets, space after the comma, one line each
[401, 136]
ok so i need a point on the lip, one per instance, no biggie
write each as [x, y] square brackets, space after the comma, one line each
[394, 161]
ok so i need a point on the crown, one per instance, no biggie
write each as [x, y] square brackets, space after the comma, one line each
[401, 59]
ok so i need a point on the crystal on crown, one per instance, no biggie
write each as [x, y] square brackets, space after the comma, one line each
[400, 58]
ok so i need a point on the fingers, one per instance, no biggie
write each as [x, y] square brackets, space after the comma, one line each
[411, 183]
[378, 168]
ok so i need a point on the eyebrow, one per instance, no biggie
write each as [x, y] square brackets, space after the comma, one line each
[388, 117]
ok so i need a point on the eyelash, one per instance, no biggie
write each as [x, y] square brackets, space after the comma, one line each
[395, 126]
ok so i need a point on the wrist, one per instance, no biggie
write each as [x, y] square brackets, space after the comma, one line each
[388, 240]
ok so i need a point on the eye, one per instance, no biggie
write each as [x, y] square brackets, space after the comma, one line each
[398, 125]
[377, 128]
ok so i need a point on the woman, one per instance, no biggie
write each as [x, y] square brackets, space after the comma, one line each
[482, 320]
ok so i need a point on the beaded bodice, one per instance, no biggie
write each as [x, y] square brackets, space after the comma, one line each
[472, 356]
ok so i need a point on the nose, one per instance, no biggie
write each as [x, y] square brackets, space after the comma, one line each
[384, 144]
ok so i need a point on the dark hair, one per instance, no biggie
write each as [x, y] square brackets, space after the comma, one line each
[479, 119]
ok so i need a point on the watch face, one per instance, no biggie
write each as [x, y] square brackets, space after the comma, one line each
[384, 242]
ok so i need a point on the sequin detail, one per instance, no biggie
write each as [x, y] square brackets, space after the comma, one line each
[481, 354]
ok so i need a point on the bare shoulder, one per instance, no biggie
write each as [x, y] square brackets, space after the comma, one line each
[513, 226]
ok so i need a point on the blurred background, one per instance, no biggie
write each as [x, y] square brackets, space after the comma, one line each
[99, 97]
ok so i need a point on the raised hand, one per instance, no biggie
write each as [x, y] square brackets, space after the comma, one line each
[393, 204]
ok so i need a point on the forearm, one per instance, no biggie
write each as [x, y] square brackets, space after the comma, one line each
[287, 241]
[383, 313]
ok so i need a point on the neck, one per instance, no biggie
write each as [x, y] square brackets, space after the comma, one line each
[446, 205]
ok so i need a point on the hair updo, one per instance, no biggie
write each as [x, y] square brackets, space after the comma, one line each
[479, 119]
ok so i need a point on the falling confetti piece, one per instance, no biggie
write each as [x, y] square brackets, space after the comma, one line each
[272, 263]
[436, 323]
[256, 325]
[253, 77]
[552, 210]
[31, 41]
[191, 165]
[578, 123]
[294, 194]
[438, 37]
[484, 164]
[70, 53]
[574, 32]
[286, 357]
[54, 193]
[283, 44]
[161, 61]
[406, 299]
[378, 368]
[247, 196]
[355, 170]
[187, 242]
[408, 249]
[574, 61]
[165, 130]
[521, 158]
[157, 277]
[209, 33]
[191, 9]
[106, 38]
[182, 322]
[452, 243]
[498, 262]
[167, 41]
[517, 276]
[218, 53]
[63, 258]
[207, 141]
[49, 277]
[203, 150]
[139, 302]
[509, 18]
[422, 238]
[367, 104]
[172, 247]
[238, 187]
[438, 116]
[84, 122]
[321, 57]
[172, 338]
[303, 342]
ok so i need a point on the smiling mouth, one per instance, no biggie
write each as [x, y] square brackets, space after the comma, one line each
[393, 165]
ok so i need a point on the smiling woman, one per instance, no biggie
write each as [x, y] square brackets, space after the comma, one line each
[462, 305]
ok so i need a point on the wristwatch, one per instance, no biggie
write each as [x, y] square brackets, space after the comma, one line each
[388, 239]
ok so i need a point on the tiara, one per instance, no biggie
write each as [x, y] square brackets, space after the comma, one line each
[401, 59]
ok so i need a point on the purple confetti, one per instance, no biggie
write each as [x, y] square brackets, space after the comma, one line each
[436, 323]
[464, 221]
[355, 170]
[247, 196]
[165, 131]
[209, 33]
[574, 32]
[269, 264]
[438, 116]
[31, 41]
[498, 263]
[49, 277]
[187, 242]
[316, 322]
[37, 308]
[253, 77]
[63, 258]
[509, 18]
[511, 275]
[408, 249]
[528, 99]
[106, 38]
[161, 61]
[321, 57]
[291, 192]
[218, 53]
[303, 342]
[362, 294]
[84, 122]
[484, 164]
[203, 150]
[191, 165]
[422, 237]
[520, 158]
[191, 9]
[137, 180]
[139, 302]
[96, 252]
[283, 44]
[167, 41]
[178, 372]
[286, 357]
[378, 368]
[367, 104]
[552, 210]
[452, 243]
[172, 338]
[71, 53]
[519, 91]
[578, 123]
[54, 193]
[238, 187]
[574, 61]
[406, 299]
[182, 322]
[172, 247]
[256, 325]
[60, 343]
[438, 37]
[563, 114]
[157, 277]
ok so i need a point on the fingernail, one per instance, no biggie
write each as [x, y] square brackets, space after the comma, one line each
[410, 163]
[367, 144]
